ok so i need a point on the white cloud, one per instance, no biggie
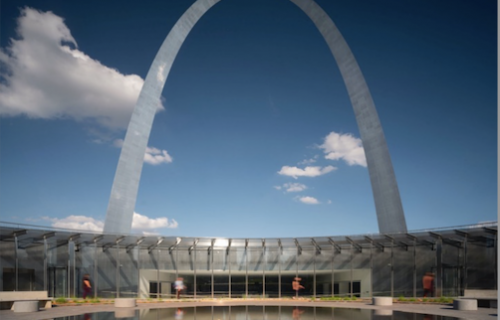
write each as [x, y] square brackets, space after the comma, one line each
[306, 172]
[308, 161]
[141, 222]
[156, 156]
[344, 146]
[329, 202]
[294, 187]
[308, 200]
[152, 156]
[77, 222]
[148, 233]
[277, 187]
[48, 77]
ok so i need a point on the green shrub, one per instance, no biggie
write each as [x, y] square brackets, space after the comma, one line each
[330, 298]
[445, 300]
[61, 300]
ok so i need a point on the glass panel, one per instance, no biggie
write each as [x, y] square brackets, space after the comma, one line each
[238, 271]
[8, 262]
[426, 262]
[403, 271]
[219, 260]
[129, 272]
[288, 270]
[203, 272]
[107, 275]
[361, 286]
[272, 270]
[342, 271]
[481, 266]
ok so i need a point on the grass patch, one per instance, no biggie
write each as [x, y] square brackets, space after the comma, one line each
[445, 300]
[330, 298]
[61, 300]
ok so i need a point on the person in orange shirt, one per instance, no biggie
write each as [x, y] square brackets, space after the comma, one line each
[296, 286]
[428, 284]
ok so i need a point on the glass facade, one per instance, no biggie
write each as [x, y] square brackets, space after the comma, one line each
[34, 259]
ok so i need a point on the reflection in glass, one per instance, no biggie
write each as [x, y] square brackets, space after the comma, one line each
[256, 313]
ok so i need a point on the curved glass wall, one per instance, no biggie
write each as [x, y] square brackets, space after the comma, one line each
[33, 259]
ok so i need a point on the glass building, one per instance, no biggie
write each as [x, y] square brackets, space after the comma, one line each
[37, 258]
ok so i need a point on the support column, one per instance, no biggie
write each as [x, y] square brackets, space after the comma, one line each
[176, 262]
[352, 258]
[246, 268]
[16, 254]
[228, 259]
[264, 270]
[297, 259]
[117, 270]
[414, 268]
[158, 283]
[371, 268]
[212, 266]
[45, 253]
[118, 266]
[392, 267]
[280, 252]
[333, 267]
[439, 267]
[459, 278]
[74, 270]
[138, 248]
[69, 266]
[314, 275]
[95, 268]
[194, 268]
[496, 261]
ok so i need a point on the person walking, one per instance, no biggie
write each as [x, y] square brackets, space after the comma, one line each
[428, 284]
[179, 286]
[86, 285]
[296, 286]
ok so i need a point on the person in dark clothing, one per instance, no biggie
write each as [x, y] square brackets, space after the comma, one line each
[87, 286]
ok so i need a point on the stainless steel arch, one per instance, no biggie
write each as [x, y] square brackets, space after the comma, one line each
[388, 204]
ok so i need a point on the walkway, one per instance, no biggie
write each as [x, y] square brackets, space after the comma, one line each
[442, 310]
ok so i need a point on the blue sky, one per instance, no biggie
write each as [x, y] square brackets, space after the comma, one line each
[253, 108]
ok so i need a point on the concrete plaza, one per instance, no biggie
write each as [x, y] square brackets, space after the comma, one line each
[432, 309]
